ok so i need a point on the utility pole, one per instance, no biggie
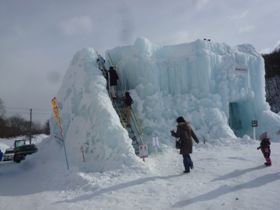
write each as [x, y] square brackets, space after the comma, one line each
[30, 126]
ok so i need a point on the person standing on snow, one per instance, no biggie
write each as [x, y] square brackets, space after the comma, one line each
[113, 81]
[185, 133]
[265, 147]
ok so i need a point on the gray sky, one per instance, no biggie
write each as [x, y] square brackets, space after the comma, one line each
[38, 38]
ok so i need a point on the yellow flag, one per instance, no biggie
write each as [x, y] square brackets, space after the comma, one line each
[55, 112]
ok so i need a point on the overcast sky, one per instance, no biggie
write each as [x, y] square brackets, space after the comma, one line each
[38, 38]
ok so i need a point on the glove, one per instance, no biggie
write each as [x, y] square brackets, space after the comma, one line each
[258, 148]
[172, 132]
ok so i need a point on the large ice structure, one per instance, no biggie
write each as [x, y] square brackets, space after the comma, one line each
[218, 88]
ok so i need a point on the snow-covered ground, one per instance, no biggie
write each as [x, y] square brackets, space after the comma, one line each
[227, 174]
[218, 88]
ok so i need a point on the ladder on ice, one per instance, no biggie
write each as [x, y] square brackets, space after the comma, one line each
[134, 130]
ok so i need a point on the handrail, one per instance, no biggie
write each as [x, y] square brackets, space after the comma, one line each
[134, 119]
[119, 113]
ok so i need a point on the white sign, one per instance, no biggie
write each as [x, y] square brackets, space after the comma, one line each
[143, 151]
[155, 142]
[241, 68]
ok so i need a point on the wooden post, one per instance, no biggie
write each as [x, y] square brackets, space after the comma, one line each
[30, 133]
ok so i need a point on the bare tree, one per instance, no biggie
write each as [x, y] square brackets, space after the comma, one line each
[3, 128]
[2, 109]
[272, 93]
[46, 128]
[18, 125]
[272, 77]
[36, 128]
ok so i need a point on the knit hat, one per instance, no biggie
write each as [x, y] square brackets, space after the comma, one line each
[180, 119]
[263, 136]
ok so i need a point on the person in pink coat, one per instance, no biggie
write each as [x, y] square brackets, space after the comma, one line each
[265, 148]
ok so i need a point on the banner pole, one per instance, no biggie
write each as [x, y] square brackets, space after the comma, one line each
[56, 116]
[65, 154]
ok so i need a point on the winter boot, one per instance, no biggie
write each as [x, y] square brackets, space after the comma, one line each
[268, 162]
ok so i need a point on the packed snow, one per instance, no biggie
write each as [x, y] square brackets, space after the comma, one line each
[227, 174]
[218, 88]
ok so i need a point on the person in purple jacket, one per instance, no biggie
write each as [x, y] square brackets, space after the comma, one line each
[265, 148]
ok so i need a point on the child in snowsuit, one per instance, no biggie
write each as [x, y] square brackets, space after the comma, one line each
[265, 147]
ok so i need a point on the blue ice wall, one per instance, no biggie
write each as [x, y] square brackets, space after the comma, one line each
[197, 80]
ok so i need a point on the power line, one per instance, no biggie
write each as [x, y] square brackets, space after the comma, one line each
[27, 110]
[36, 113]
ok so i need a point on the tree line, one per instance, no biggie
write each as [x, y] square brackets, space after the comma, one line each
[272, 79]
[16, 125]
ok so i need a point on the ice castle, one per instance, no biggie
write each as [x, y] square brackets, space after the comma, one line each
[219, 88]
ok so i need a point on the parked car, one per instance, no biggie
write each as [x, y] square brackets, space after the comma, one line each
[9, 154]
[22, 151]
